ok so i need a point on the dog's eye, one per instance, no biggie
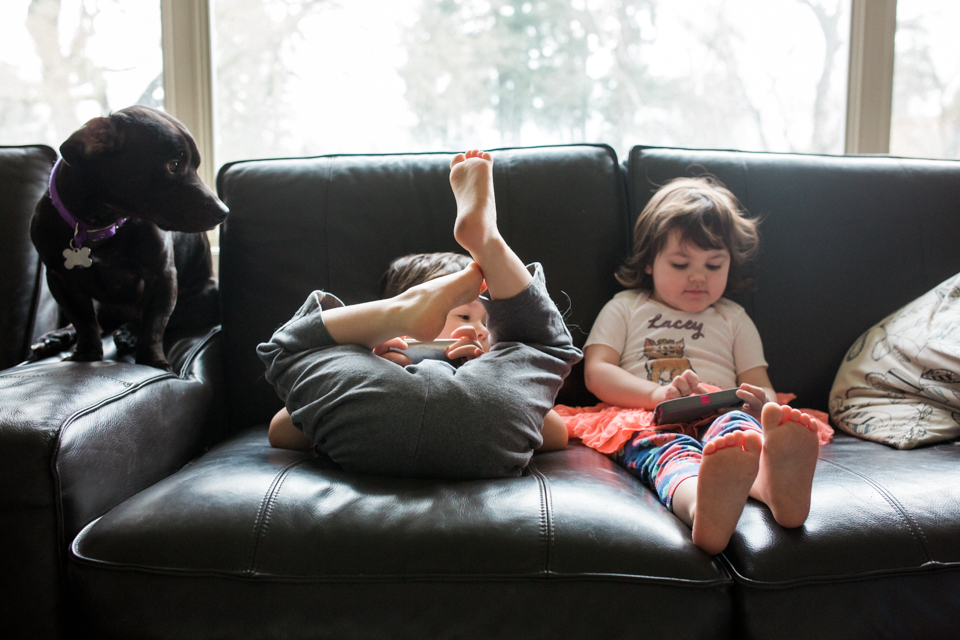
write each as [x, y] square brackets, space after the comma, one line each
[173, 166]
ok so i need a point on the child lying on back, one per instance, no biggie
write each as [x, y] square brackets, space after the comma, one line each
[481, 420]
[466, 323]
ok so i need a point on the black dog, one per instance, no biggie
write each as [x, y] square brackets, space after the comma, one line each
[121, 225]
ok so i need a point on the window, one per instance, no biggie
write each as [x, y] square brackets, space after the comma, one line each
[926, 80]
[296, 77]
[409, 75]
[62, 63]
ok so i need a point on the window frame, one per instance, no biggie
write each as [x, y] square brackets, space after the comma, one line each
[188, 74]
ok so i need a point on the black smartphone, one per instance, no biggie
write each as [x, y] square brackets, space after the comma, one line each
[691, 408]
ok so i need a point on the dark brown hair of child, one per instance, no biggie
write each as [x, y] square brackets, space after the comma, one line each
[417, 268]
[706, 214]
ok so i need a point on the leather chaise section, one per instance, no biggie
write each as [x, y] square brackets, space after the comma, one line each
[79, 438]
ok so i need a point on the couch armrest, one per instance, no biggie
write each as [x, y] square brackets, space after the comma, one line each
[78, 438]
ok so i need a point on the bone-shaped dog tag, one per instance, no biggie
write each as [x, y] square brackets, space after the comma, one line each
[77, 257]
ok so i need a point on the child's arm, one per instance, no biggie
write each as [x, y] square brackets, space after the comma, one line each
[613, 385]
[755, 390]
[283, 435]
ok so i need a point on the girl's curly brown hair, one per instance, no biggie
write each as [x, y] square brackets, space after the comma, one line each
[706, 214]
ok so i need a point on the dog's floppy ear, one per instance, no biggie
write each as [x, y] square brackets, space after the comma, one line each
[92, 139]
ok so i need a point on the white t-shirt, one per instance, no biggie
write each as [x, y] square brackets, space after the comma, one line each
[657, 342]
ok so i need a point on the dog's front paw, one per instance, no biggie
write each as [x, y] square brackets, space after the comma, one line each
[52, 343]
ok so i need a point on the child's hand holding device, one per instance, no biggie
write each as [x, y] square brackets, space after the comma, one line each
[467, 344]
[463, 345]
[395, 351]
[685, 384]
[753, 399]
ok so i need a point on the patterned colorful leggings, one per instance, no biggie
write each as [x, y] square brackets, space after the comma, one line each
[662, 459]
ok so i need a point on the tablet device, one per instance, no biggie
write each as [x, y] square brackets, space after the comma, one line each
[691, 408]
[434, 350]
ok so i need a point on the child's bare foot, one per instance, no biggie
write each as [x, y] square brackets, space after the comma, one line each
[727, 471]
[471, 177]
[419, 312]
[790, 449]
[422, 310]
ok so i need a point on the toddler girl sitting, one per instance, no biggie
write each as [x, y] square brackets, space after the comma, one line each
[671, 334]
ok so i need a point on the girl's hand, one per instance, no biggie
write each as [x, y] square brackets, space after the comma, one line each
[753, 399]
[685, 384]
[466, 346]
[398, 358]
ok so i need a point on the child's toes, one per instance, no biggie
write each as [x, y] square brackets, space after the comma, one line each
[771, 414]
[752, 442]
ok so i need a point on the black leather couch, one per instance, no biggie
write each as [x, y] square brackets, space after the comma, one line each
[27, 309]
[105, 535]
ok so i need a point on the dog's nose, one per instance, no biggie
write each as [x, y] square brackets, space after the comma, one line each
[224, 210]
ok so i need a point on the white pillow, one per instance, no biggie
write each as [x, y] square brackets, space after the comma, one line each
[900, 382]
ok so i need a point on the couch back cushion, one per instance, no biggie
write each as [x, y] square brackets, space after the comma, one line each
[27, 307]
[844, 242]
[336, 222]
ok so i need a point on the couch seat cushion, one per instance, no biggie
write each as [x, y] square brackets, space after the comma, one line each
[250, 541]
[879, 555]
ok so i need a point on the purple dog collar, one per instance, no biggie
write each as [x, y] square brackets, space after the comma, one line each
[81, 231]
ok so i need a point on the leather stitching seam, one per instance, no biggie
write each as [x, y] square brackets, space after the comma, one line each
[546, 521]
[912, 526]
[262, 522]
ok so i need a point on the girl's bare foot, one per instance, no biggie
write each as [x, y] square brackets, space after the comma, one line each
[419, 312]
[422, 310]
[790, 449]
[471, 177]
[727, 471]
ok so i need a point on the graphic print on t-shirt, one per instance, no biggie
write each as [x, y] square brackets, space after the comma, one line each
[665, 360]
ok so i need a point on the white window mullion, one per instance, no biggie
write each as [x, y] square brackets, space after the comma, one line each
[873, 27]
[188, 74]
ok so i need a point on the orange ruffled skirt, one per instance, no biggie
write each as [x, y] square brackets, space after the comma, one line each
[607, 428]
